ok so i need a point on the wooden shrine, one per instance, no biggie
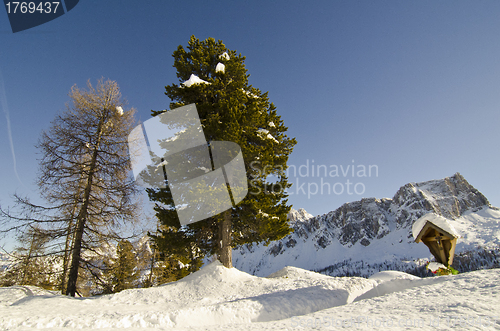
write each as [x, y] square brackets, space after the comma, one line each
[440, 242]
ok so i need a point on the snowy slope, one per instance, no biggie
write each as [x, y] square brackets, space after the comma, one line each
[212, 295]
[217, 298]
[364, 237]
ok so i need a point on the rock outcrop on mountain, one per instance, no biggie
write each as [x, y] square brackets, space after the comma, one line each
[375, 230]
[449, 197]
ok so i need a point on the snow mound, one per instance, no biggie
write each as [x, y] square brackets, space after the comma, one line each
[213, 295]
[10, 296]
[304, 300]
[398, 285]
[297, 273]
[354, 286]
[389, 275]
[215, 273]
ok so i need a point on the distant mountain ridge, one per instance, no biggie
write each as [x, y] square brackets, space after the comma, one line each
[364, 235]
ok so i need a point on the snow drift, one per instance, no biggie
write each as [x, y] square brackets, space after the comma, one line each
[217, 298]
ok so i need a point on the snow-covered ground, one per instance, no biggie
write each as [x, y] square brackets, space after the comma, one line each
[216, 298]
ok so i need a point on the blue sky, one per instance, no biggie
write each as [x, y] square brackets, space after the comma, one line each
[411, 87]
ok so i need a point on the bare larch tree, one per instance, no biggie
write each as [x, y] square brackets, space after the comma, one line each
[84, 174]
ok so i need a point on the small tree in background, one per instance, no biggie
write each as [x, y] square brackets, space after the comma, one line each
[30, 264]
[216, 80]
[124, 273]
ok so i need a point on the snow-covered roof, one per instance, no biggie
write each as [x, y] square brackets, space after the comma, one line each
[435, 219]
[194, 80]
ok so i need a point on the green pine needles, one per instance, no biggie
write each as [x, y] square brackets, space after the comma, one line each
[216, 80]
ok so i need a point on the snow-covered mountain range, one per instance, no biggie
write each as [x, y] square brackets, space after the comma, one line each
[367, 236]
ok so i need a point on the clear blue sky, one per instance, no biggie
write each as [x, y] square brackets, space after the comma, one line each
[412, 87]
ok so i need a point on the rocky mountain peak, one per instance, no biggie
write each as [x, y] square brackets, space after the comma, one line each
[298, 215]
[369, 221]
[449, 197]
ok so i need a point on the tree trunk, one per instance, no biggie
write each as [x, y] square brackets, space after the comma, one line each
[225, 250]
[75, 256]
[82, 218]
[66, 259]
[77, 243]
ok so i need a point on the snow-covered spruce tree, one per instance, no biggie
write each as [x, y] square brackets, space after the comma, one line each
[216, 80]
[84, 177]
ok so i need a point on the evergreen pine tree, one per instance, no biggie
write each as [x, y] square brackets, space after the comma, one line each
[230, 110]
[124, 272]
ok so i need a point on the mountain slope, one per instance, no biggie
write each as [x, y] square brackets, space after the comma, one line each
[366, 236]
